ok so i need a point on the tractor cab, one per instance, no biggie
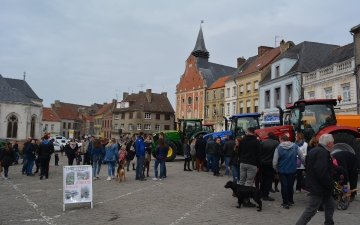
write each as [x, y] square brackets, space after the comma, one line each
[311, 116]
[239, 123]
[189, 127]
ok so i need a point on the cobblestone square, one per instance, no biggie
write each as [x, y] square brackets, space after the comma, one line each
[181, 198]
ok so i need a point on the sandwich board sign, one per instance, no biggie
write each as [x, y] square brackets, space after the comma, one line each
[71, 134]
[77, 185]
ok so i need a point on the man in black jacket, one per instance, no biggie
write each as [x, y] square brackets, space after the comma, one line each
[267, 148]
[46, 148]
[228, 149]
[319, 180]
[249, 151]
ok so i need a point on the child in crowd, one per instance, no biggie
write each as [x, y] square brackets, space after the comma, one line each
[56, 159]
[78, 155]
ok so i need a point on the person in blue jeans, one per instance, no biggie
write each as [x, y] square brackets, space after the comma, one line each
[24, 162]
[161, 153]
[209, 154]
[284, 162]
[234, 163]
[228, 150]
[30, 156]
[140, 156]
[111, 156]
[97, 153]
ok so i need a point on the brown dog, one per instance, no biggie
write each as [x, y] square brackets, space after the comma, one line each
[121, 171]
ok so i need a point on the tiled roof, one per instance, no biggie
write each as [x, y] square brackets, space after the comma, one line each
[72, 107]
[22, 86]
[90, 118]
[339, 54]
[109, 114]
[11, 94]
[310, 55]
[262, 61]
[96, 107]
[243, 67]
[103, 109]
[212, 71]
[139, 102]
[49, 115]
[219, 83]
[65, 113]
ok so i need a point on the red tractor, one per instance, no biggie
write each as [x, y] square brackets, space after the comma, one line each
[315, 117]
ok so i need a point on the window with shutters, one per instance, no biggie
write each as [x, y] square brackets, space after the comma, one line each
[256, 85]
[248, 87]
[248, 106]
[241, 107]
[256, 106]
[241, 89]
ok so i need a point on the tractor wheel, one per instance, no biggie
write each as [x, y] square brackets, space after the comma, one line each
[346, 142]
[172, 152]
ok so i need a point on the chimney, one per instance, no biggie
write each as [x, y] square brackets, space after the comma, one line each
[285, 45]
[125, 95]
[52, 106]
[164, 93]
[57, 103]
[148, 95]
[241, 60]
[263, 49]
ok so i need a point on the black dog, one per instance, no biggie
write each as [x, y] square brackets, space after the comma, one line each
[242, 192]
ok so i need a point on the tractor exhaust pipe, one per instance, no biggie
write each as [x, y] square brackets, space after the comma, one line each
[226, 123]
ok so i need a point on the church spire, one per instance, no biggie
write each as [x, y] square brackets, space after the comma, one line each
[200, 49]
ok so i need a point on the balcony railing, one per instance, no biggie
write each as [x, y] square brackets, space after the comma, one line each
[328, 72]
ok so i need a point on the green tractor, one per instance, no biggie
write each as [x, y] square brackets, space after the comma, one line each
[187, 128]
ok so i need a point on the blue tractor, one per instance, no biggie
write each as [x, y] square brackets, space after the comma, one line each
[239, 123]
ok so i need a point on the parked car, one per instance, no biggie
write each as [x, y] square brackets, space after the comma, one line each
[56, 147]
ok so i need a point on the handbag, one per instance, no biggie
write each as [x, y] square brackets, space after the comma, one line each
[147, 157]
[132, 148]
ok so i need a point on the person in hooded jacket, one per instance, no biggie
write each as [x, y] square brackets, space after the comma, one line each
[228, 149]
[46, 148]
[284, 162]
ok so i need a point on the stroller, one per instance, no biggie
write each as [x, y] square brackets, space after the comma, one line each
[340, 197]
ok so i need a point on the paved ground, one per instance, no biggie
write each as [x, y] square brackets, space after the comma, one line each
[181, 198]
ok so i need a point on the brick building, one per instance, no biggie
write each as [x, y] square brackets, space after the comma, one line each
[199, 74]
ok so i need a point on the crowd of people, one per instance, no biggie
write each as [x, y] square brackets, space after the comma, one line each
[260, 163]
[251, 162]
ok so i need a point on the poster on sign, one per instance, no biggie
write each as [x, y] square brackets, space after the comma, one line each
[77, 185]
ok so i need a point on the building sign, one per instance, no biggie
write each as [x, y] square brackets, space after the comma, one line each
[71, 134]
[77, 185]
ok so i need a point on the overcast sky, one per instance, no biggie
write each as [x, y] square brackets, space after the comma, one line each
[91, 51]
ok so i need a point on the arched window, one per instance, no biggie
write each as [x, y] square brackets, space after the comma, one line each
[32, 127]
[12, 127]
